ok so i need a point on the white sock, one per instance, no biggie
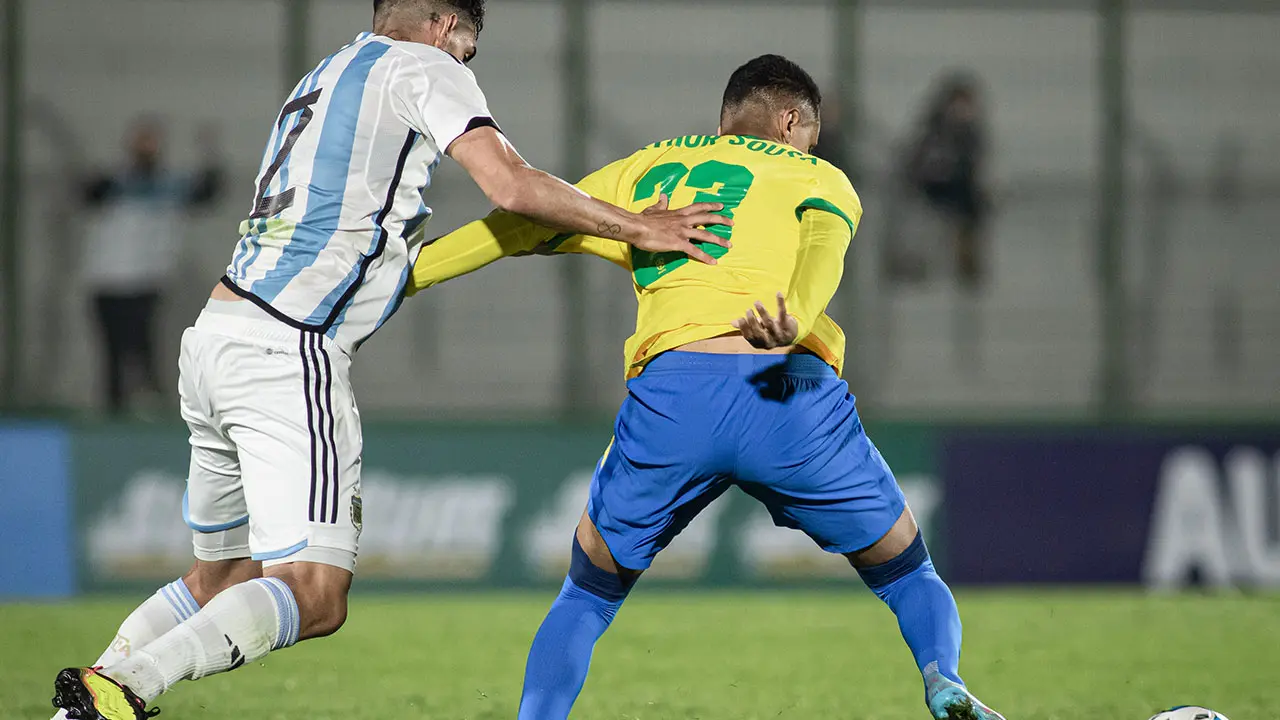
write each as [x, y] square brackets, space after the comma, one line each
[162, 612]
[238, 626]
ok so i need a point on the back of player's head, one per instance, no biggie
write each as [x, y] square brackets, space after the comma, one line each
[771, 82]
[470, 12]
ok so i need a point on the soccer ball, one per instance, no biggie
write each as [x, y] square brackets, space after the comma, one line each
[1189, 712]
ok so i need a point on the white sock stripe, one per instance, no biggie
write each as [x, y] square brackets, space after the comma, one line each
[295, 617]
[179, 593]
[180, 610]
[287, 608]
[296, 630]
[183, 593]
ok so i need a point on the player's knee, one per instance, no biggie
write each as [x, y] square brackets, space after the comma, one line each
[206, 579]
[323, 611]
[914, 557]
[329, 620]
[584, 573]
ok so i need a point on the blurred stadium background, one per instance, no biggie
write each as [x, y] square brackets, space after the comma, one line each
[1102, 406]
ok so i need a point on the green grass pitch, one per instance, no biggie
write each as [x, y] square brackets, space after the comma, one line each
[712, 656]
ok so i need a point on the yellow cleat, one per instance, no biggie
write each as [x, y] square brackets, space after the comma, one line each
[86, 694]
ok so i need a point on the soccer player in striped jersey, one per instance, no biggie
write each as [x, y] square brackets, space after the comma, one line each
[716, 398]
[336, 222]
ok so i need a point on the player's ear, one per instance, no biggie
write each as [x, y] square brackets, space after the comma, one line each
[448, 24]
[790, 122]
[442, 27]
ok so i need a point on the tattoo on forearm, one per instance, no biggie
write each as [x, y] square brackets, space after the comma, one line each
[607, 229]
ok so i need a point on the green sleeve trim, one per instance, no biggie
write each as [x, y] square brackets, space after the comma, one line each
[554, 243]
[825, 206]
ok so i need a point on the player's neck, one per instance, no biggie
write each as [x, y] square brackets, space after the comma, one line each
[401, 35]
[755, 132]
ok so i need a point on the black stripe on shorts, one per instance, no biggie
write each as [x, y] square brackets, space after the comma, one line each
[322, 417]
[332, 443]
[311, 412]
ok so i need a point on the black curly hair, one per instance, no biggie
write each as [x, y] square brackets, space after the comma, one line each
[469, 11]
[774, 79]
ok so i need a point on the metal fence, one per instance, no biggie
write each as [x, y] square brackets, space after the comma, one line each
[1134, 172]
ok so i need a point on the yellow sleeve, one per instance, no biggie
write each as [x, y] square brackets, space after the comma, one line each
[834, 194]
[616, 252]
[824, 240]
[607, 184]
[473, 246]
[503, 234]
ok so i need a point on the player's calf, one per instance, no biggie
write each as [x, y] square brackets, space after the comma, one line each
[899, 571]
[320, 592]
[561, 654]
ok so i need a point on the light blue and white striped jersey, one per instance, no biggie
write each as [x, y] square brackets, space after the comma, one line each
[338, 216]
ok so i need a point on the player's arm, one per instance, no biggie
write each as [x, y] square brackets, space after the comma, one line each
[503, 234]
[824, 240]
[616, 252]
[445, 102]
[828, 220]
[515, 186]
[474, 246]
[612, 181]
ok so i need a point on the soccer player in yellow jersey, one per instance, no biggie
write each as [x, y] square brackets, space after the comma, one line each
[718, 397]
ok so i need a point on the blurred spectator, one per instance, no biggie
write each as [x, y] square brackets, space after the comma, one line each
[133, 251]
[831, 141]
[944, 165]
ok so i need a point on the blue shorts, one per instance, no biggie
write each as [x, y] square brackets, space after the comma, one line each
[783, 428]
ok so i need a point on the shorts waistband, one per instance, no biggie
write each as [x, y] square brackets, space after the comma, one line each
[797, 365]
[247, 321]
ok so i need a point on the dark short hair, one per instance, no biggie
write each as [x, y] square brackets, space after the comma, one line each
[774, 79]
[472, 11]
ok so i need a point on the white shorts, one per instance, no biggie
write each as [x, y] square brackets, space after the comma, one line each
[275, 441]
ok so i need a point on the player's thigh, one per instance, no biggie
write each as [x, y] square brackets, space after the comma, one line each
[834, 486]
[655, 477]
[297, 431]
[214, 504]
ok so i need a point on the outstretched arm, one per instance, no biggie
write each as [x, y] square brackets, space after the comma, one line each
[474, 246]
[515, 186]
[442, 101]
[503, 234]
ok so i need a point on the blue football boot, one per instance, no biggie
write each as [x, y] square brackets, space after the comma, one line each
[949, 700]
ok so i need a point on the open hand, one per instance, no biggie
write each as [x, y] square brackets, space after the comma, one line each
[765, 331]
[664, 230]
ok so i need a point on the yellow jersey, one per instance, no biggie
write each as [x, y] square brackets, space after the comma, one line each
[783, 203]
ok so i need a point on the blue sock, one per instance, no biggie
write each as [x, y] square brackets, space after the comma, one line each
[561, 652]
[926, 610]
